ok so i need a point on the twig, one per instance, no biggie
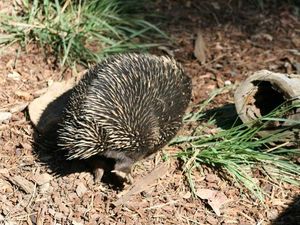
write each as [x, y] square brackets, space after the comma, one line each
[161, 205]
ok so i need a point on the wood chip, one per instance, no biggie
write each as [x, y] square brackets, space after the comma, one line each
[24, 94]
[22, 183]
[142, 184]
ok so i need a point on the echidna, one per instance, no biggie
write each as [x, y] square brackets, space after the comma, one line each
[125, 108]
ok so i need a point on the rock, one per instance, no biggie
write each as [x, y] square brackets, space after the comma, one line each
[41, 179]
[5, 186]
[187, 195]
[5, 116]
[14, 76]
[81, 189]
[227, 83]
[272, 214]
[44, 188]
[76, 223]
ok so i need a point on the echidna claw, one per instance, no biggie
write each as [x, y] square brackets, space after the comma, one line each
[125, 177]
[98, 174]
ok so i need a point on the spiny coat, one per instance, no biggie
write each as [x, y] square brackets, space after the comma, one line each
[125, 108]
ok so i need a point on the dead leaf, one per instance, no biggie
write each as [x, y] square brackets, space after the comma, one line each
[40, 92]
[142, 184]
[220, 82]
[23, 94]
[4, 172]
[296, 41]
[263, 36]
[166, 50]
[210, 177]
[18, 108]
[26, 146]
[52, 116]
[200, 48]
[216, 199]
[215, 5]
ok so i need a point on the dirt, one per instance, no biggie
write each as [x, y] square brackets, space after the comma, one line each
[240, 38]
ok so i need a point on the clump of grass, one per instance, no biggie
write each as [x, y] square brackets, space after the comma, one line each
[82, 31]
[239, 150]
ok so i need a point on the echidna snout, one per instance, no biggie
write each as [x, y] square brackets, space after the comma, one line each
[125, 108]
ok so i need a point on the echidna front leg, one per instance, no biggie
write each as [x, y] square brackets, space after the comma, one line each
[125, 177]
[98, 165]
[123, 169]
[98, 174]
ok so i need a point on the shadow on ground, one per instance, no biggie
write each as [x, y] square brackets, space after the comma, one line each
[226, 116]
[291, 216]
[47, 152]
[247, 15]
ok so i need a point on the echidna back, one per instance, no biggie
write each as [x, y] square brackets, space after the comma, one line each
[129, 102]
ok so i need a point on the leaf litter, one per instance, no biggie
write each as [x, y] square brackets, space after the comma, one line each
[232, 54]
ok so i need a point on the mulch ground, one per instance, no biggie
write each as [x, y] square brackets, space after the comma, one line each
[240, 38]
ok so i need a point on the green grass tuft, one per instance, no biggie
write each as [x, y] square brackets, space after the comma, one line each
[80, 31]
[239, 150]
